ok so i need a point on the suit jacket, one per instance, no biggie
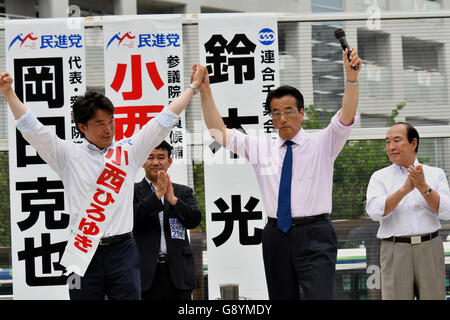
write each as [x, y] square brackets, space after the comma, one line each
[147, 233]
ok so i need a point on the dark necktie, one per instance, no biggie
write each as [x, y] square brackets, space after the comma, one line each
[284, 219]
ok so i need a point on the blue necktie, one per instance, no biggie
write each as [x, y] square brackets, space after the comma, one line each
[284, 219]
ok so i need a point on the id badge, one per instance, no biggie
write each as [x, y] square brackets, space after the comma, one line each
[177, 231]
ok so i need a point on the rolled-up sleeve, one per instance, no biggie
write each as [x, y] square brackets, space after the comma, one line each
[52, 149]
[27, 122]
[338, 134]
[376, 198]
[167, 118]
[152, 134]
[336, 122]
[444, 197]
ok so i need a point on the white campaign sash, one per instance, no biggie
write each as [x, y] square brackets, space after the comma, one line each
[101, 206]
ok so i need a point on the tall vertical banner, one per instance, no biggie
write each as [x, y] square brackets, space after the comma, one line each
[46, 58]
[143, 74]
[241, 54]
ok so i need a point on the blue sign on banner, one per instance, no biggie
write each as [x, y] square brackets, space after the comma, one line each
[266, 36]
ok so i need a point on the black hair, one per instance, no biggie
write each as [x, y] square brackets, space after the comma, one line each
[411, 133]
[164, 145]
[84, 107]
[285, 91]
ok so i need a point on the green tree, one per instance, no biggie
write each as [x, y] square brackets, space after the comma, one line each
[199, 190]
[5, 226]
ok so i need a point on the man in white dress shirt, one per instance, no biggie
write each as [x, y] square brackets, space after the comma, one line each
[112, 268]
[409, 199]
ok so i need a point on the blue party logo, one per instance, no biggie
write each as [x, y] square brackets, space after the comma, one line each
[266, 36]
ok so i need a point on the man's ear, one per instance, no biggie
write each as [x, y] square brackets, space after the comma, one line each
[82, 128]
[414, 143]
[170, 161]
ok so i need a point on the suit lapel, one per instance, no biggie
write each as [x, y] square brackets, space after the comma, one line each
[145, 189]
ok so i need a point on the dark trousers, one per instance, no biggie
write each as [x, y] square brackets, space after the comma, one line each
[113, 273]
[163, 287]
[304, 256]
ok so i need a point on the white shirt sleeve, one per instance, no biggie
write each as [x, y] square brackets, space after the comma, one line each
[252, 148]
[444, 197]
[376, 198]
[52, 149]
[152, 134]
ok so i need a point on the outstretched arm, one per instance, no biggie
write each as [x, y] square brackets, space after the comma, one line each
[151, 135]
[213, 119]
[179, 104]
[351, 93]
[17, 107]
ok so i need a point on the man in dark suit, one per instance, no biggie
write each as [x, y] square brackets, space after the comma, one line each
[162, 212]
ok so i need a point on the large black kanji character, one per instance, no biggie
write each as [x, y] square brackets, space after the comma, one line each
[21, 144]
[241, 45]
[216, 46]
[55, 202]
[46, 85]
[242, 217]
[236, 122]
[45, 251]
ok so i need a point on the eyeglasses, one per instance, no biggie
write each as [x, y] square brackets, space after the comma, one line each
[287, 113]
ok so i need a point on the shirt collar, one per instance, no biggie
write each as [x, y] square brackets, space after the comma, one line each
[148, 181]
[93, 147]
[402, 168]
[298, 139]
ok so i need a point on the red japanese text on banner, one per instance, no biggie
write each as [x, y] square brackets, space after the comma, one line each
[143, 73]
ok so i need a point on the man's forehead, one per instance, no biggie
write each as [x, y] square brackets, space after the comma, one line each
[286, 101]
[156, 152]
[397, 130]
[102, 115]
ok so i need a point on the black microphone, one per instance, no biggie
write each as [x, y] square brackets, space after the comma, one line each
[340, 35]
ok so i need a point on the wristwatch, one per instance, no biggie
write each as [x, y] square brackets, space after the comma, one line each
[427, 192]
[193, 88]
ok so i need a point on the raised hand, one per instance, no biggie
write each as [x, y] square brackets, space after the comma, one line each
[169, 195]
[161, 184]
[5, 81]
[408, 185]
[352, 75]
[418, 178]
[198, 74]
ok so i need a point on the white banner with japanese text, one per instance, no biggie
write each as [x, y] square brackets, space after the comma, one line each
[241, 54]
[143, 73]
[46, 58]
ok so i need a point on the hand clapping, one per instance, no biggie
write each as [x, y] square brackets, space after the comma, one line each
[417, 177]
[164, 188]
